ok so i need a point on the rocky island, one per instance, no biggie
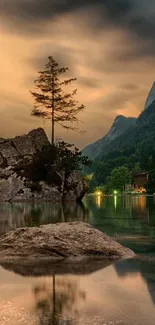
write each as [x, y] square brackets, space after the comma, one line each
[62, 246]
[15, 187]
[59, 241]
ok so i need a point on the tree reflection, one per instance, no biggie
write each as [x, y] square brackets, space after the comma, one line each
[56, 301]
[18, 215]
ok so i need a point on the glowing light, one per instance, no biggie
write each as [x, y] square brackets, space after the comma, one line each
[98, 193]
[115, 192]
[115, 202]
[98, 201]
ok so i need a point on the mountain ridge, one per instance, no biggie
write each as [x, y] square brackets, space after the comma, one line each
[119, 126]
[126, 132]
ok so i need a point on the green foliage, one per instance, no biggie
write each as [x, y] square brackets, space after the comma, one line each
[108, 188]
[99, 188]
[69, 158]
[136, 160]
[51, 102]
[118, 178]
[46, 164]
[88, 177]
[150, 186]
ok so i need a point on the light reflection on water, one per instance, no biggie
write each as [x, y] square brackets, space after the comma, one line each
[130, 220]
[123, 293]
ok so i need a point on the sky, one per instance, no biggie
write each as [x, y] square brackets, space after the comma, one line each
[108, 45]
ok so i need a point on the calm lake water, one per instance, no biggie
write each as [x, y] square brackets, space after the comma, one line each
[120, 293]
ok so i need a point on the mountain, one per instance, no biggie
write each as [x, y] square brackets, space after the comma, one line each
[143, 131]
[120, 125]
[150, 97]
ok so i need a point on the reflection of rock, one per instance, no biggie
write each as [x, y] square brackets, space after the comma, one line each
[84, 266]
[18, 215]
[143, 265]
[59, 241]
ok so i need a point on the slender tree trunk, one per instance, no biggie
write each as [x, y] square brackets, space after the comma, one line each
[54, 301]
[52, 111]
[52, 124]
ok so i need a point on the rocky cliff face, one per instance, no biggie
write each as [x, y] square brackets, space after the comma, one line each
[15, 188]
[150, 97]
[120, 125]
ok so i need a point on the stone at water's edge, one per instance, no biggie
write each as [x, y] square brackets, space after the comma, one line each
[59, 242]
[14, 188]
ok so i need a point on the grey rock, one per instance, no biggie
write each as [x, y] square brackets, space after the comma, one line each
[72, 180]
[2, 140]
[72, 240]
[12, 161]
[15, 188]
[75, 187]
[24, 145]
[39, 138]
[47, 194]
[150, 97]
[8, 151]
[1, 160]
[9, 187]
[6, 172]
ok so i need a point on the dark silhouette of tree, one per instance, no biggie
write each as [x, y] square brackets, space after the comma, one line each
[46, 164]
[62, 297]
[51, 102]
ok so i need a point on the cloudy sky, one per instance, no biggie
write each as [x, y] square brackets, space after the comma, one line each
[109, 45]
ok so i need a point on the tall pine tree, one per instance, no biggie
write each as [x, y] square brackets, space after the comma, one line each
[51, 102]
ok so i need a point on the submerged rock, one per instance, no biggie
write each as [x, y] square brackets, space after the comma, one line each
[59, 242]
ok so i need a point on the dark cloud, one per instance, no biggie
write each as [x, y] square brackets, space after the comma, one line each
[46, 9]
[90, 83]
[131, 16]
[130, 87]
[64, 56]
[128, 14]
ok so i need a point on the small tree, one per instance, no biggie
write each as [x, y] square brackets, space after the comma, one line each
[117, 180]
[61, 157]
[52, 102]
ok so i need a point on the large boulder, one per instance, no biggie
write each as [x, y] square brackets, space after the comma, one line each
[24, 145]
[14, 186]
[60, 241]
[15, 149]
[39, 138]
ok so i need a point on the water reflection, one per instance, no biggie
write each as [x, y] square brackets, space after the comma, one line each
[17, 215]
[98, 200]
[129, 219]
[143, 266]
[115, 201]
[121, 294]
[56, 298]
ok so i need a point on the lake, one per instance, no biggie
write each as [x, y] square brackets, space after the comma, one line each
[120, 293]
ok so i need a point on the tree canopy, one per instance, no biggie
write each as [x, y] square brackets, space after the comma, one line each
[52, 102]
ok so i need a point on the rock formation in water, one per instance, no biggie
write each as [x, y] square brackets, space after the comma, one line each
[58, 242]
[15, 188]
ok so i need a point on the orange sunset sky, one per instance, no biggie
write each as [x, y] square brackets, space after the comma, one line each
[108, 45]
